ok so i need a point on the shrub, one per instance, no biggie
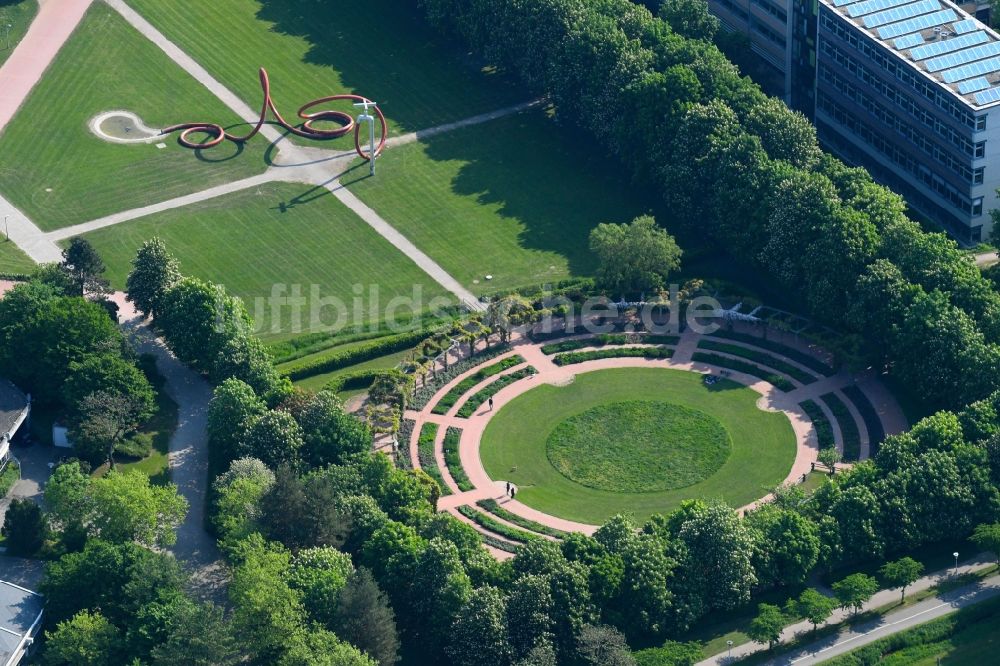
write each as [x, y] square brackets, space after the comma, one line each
[453, 460]
[449, 399]
[848, 428]
[336, 359]
[621, 352]
[824, 431]
[606, 339]
[778, 381]
[487, 392]
[801, 358]
[425, 453]
[24, 527]
[760, 357]
[495, 526]
[868, 414]
[432, 385]
[492, 506]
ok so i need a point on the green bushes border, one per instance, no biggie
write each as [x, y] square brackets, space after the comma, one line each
[824, 431]
[490, 390]
[810, 362]
[487, 522]
[453, 460]
[619, 352]
[358, 379]
[425, 453]
[10, 475]
[848, 428]
[759, 357]
[449, 399]
[876, 433]
[492, 506]
[334, 360]
[779, 382]
[606, 339]
[433, 384]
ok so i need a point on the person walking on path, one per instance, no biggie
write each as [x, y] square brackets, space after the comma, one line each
[491, 404]
[508, 488]
[513, 491]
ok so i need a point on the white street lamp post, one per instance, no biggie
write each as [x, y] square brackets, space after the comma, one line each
[370, 119]
[955, 555]
[729, 644]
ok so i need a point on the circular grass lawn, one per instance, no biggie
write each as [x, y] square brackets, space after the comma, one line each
[515, 445]
[638, 446]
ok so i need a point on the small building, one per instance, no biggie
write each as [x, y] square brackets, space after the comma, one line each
[20, 621]
[14, 410]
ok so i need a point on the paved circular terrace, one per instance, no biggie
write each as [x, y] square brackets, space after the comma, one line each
[853, 408]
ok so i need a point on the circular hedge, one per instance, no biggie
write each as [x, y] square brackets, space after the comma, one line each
[638, 446]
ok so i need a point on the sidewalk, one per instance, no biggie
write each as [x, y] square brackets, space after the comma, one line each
[889, 623]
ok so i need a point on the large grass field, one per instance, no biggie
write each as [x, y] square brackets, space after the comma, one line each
[380, 49]
[514, 444]
[18, 14]
[12, 259]
[515, 198]
[256, 238]
[57, 172]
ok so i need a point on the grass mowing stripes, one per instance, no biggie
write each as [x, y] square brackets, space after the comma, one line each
[848, 428]
[453, 461]
[876, 433]
[779, 382]
[824, 431]
[253, 242]
[808, 361]
[487, 522]
[759, 357]
[13, 261]
[425, 452]
[492, 506]
[449, 399]
[18, 15]
[570, 358]
[106, 65]
[491, 389]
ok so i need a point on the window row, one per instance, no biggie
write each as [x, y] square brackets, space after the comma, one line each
[774, 10]
[767, 33]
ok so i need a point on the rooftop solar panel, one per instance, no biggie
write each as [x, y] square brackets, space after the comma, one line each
[900, 13]
[918, 23]
[972, 69]
[948, 45]
[961, 57]
[962, 27]
[909, 41]
[972, 85]
[869, 6]
[841, 3]
[987, 96]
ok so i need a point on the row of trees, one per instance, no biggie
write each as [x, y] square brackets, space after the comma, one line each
[748, 174]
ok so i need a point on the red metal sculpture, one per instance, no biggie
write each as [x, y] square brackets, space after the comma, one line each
[307, 130]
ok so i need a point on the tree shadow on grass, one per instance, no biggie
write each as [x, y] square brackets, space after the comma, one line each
[385, 51]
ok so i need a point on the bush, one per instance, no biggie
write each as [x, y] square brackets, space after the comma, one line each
[778, 381]
[359, 379]
[9, 477]
[760, 357]
[487, 392]
[868, 414]
[622, 352]
[24, 527]
[425, 453]
[495, 526]
[492, 506]
[824, 431]
[432, 385]
[801, 358]
[335, 359]
[453, 460]
[848, 428]
[138, 445]
[607, 339]
[449, 399]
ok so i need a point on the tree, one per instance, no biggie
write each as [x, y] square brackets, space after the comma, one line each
[84, 265]
[479, 634]
[238, 493]
[671, 653]
[902, 573]
[154, 271]
[127, 507]
[198, 319]
[330, 434]
[24, 527]
[634, 257]
[854, 591]
[767, 626]
[829, 457]
[601, 645]
[814, 606]
[320, 574]
[790, 545]
[233, 408]
[103, 420]
[197, 635]
[246, 358]
[275, 438]
[689, 18]
[66, 494]
[364, 618]
[88, 639]
[443, 587]
[987, 537]
[110, 373]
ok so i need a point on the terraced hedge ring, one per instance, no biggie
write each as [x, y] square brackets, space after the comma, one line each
[307, 130]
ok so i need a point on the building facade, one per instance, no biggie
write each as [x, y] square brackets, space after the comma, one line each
[909, 89]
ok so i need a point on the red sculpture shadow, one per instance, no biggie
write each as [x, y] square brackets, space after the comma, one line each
[307, 130]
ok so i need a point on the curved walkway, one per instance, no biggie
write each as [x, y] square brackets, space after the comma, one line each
[473, 427]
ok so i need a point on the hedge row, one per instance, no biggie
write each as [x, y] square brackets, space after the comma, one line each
[620, 352]
[492, 506]
[876, 434]
[15, 277]
[449, 399]
[490, 390]
[495, 526]
[779, 382]
[313, 343]
[824, 431]
[453, 460]
[334, 359]
[425, 452]
[760, 357]
[405, 433]
[359, 379]
[801, 358]
[606, 339]
[848, 428]
[433, 384]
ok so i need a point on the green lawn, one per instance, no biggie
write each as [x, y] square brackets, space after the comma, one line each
[18, 14]
[317, 382]
[250, 241]
[59, 173]
[12, 259]
[515, 198]
[380, 49]
[513, 446]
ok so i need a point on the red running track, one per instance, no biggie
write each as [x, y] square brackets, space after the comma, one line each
[307, 130]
